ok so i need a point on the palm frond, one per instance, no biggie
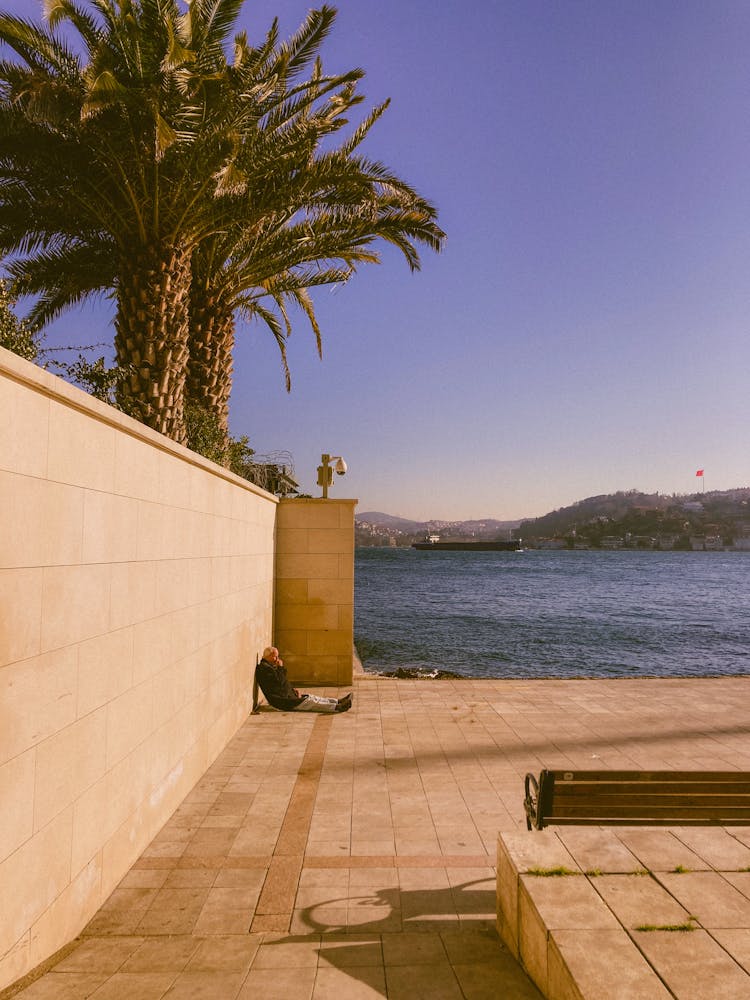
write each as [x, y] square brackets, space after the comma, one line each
[58, 11]
[258, 311]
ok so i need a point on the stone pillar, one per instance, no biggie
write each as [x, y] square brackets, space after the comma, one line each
[314, 596]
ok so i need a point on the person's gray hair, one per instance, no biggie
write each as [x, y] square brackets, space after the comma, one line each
[267, 651]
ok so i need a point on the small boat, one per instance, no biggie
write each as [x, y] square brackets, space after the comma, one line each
[432, 543]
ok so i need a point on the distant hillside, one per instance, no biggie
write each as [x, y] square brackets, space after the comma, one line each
[376, 528]
[388, 521]
[618, 519]
[404, 524]
[671, 519]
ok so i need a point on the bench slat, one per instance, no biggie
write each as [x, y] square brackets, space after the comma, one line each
[641, 821]
[657, 811]
[713, 777]
[669, 795]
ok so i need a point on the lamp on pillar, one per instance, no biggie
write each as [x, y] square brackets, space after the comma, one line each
[328, 465]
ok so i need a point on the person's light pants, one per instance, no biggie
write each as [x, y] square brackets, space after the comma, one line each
[314, 703]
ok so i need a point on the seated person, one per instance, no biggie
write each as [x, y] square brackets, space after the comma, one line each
[274, 683]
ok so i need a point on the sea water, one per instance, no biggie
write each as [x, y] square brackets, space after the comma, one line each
[553, 613]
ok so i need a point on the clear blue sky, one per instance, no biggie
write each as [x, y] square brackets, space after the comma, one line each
[587, 328]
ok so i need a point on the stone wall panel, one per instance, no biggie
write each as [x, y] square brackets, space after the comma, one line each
[136, 589]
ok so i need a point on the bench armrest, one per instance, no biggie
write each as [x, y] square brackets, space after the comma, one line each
[531, 802]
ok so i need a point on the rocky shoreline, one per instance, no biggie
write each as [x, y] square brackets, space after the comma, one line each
[414, 673]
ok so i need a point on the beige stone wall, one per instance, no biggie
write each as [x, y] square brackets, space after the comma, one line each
[136, 586]
[314, 623]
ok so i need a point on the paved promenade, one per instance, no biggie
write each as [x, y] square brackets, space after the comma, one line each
[353, 856]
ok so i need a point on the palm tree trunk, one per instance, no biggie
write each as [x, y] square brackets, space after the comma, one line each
[209, 378]
[152, 337]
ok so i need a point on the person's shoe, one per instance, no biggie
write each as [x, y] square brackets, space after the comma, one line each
[346, 700]
[343, 705]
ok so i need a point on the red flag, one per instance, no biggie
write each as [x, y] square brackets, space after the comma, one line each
[699, 472]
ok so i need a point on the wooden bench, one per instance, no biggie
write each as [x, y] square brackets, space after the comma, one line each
[637, 798]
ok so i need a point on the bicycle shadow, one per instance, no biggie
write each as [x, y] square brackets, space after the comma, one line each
[420, 931]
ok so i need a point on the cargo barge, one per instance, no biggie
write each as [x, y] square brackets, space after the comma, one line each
[434, 544]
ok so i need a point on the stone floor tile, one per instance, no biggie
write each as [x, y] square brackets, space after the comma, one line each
[423, 878]
[104, 955]
[372, 880]
[191, 878]
[413, 949]
[468, 877]
[476, 898]
[542, 850]
[501, 979]
[427, 903]
[737, 943]
[568, 902]
[279, 984]
[693, 965]
[194, 861]
[637, 900]
[429, 925]
[205, 986]
[375, 919]
[373, 847]
[135, 986]
[466, 946]
[742, 833]
[257, 862]
[345, 950]
[210, 843]
[422, 982]
[64, 986]
[129, 901]
[661, 850]
[710, 898]
[595, 849]
[740, 881]
[212, 922]
[165, 849]
[189, 815]
[116, 922]
[145, 878]
[324, 876]
[321, 895]
[232, 803]
[163, 954]
[601, 963]
[359, 982]
[285, 952]
[231, 898]
[227, 954]
[717, 847]
[165, 920]
[222, 822]
[270, 922]
[246, 878]
[251, 843]
[458, 847]
[415, 848]
[179, 899]
[326, 849]
[319, 920]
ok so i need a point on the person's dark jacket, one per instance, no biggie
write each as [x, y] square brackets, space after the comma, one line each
[274, 683]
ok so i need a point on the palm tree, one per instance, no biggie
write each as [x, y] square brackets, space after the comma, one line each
[192, 186]
[109, 167]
